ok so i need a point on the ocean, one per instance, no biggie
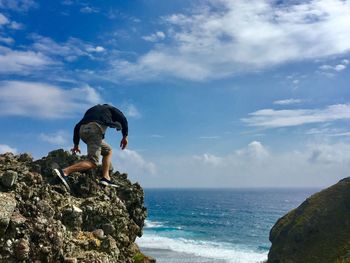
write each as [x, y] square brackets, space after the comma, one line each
[214, 225]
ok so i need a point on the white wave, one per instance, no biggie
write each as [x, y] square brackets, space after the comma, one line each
[153, 224]
[206, 249]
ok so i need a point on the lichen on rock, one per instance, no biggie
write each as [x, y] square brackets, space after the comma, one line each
[41, 222]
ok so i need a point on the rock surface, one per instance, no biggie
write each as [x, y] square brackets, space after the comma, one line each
[41, 222]
[318, 231]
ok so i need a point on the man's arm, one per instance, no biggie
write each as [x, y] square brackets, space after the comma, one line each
[118, 116]
[124, 142]
[76, 137]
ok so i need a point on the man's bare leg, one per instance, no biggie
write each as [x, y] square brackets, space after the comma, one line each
[81, 166]
[106, 161]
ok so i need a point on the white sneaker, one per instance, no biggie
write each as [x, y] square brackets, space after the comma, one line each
[107, 182]
[63, 178]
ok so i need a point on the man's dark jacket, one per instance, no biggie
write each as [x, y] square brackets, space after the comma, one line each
[106, 115]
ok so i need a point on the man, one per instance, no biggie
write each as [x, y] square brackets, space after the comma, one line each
[91, 129]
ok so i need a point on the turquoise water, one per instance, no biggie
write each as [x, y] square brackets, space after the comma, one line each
[226, 225]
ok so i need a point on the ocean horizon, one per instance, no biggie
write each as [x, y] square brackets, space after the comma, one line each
[214, 225]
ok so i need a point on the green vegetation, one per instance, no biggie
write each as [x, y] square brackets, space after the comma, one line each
[317, 231]
[138, 258]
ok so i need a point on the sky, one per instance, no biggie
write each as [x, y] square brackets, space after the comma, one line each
[218, 93]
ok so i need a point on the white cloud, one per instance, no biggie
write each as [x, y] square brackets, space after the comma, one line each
[22, 62]
[326, 67]
[209, 137]
[18, 5]
[85, 94]
[227, 37]
[340, 134]
[10, 24]
[133, 163]
[89, 10]
[270, 118]
[5, 148]
[325, 132]
[312, 165]
[339, 67]
[287, 101]
[159, 35]
[254, 150]
[295, 79]
[41, 100]
[57, 138]
[3, 20]
[70, 50]
[329, 70]
[329, 154]
[67, 2]
[7, 40]
[96, 49]
[209, 159]
[15, 25]
[132, 111]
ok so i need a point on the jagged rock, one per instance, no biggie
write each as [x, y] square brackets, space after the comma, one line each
[70, 260]
[22, 249]
[318, 231]
[98, 233]
[7, 206]
[8, 179]
[25, 158]
[40, 221]
[108, 228]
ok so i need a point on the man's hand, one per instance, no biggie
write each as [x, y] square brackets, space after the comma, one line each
[75, 149]
[124, 142]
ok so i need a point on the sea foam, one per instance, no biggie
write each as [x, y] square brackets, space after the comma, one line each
[207, 249]
[153, 224]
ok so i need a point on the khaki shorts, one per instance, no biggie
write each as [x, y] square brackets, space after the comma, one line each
[92, 134]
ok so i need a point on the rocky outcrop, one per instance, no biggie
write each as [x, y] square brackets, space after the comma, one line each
[318, 231]
[41, 222]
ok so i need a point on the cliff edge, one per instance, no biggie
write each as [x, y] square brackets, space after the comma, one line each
[41, 222]
[318, 231]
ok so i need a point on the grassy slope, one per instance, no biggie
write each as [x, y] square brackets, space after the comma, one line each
[317, 231]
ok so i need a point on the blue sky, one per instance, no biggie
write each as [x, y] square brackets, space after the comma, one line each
[218, 93]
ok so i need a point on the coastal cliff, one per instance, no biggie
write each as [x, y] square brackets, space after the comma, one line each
[318, 231]
[41, 222]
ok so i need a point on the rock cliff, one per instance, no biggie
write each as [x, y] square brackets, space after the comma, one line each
[318, 231]
[41, 222]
